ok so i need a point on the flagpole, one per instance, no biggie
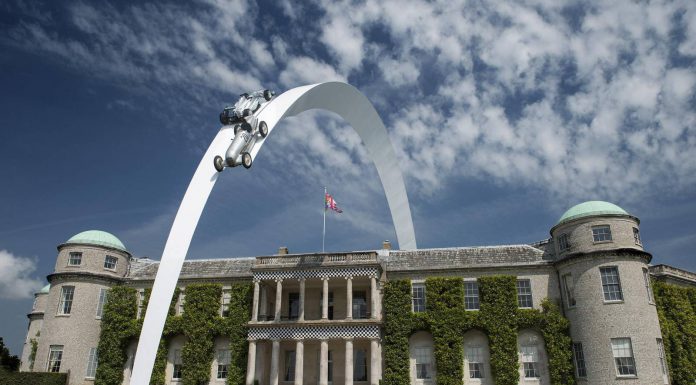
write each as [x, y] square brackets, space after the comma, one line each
[323, 231]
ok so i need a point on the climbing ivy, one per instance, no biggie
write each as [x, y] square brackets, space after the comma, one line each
[676, 309]
[499, 317]
[32, 355]
[200, 323]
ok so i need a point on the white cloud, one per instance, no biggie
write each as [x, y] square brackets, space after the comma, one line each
[345, 40]
[16, 281]
[303, 70]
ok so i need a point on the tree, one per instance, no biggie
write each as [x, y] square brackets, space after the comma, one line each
[7, 361]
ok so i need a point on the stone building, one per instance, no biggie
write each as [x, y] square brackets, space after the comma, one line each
[318, 318]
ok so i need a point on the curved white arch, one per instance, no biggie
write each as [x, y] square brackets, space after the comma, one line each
[340, 98]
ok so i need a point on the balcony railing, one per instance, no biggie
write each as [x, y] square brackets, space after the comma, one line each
[316, 259]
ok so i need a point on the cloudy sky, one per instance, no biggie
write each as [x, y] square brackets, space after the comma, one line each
[503, 115]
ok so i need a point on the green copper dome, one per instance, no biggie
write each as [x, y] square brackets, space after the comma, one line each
[98, 238]
[591, 208]
[45, 289]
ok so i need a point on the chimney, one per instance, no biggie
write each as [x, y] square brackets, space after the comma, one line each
[283, 250]
[386, 245]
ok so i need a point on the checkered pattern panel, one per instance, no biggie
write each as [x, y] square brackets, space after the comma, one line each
[328, 273]
[314, 332]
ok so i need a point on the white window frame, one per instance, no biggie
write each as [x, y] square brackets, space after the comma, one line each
[54, 358]
[92, 363]
[472, 296]
[568, 290]
[176, 362]
[426, 354]
[223, 363]
[141, 302]
[101, 300]
[620, 353]
[524, 294]
[578, 358]
[604, 236]
[180, 302]
[225, 302]
[636, 236]
[648, 286]
[529, 355]
[563, 243]
[67, 295]
[663, 361]
[357, 364]
[475, 362]
[72, 259]
[107, 262]
[607, 285]
[417, 308]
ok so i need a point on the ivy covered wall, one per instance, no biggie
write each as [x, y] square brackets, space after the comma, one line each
[445, 317]
[200, 323]
[676, 309]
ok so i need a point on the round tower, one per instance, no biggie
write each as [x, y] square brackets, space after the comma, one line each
[87, 265]
[605, 286]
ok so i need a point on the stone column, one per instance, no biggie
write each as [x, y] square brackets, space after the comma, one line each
[275, 361]
[349, 361]
[264, 303]
[375, 362]
[251, 363]
[373, 297]
[302, 299]
[255, 303]
[261, 358]
[325, 299]
[299, 362]
[324, 363]
[279, 299]
[349, 298]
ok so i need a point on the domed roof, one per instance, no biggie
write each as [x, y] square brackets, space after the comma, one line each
[45, 289]
[98, 238]
[591, 208]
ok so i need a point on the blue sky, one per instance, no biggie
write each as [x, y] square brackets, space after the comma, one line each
[503, 115]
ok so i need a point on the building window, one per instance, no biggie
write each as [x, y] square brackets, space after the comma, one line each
[648, 286]
[330, 365]
[663, 363]
[530, 361]
[524, 293]
[579, 358]
[55, 357]
[293, 306]
[110, 262]
[101, 301]
[424, 366]
[330, 310]
[176, 373]
[471, 295]
[568, 290]
[636, 236]
[66, 299]
[225, 309]
[92, 363]
[601, 233]
[563, 244]
[75, 259]
[182, 301]
[623, 356]
[418, 297]
[141, 302]
[360, 366]
[611, 285]
[223, 361]
[289, 365]
[474, 356]
[359, 305]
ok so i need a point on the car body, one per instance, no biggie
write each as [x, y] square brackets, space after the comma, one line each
[239, 152]
[247, 104]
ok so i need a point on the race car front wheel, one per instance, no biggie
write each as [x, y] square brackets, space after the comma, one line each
[246, 160]
[263, 129]
[267, 94]
[219, 163]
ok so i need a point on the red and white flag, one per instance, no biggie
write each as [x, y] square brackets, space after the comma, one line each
[330, 203]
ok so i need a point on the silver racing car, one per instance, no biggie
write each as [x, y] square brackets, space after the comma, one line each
[247, 129]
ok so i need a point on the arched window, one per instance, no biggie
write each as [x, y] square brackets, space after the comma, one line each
[422, 358]
[477, 359]
[534, 367]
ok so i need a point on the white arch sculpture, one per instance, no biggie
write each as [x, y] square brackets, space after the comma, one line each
[340, 98]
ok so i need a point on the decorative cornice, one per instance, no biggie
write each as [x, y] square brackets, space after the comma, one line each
[614, 253]
[314, 332]
[82, 276]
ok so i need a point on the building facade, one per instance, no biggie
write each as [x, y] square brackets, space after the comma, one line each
[318, 318]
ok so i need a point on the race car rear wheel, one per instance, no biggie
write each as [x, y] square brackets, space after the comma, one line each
[267, 94]
[246, 112]
[223, 120]
[246, 160]
[237, 128]
[263, 129]
[219, 163]
[246, 126]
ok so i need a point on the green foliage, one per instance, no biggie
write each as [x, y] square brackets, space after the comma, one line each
[32, 355]
[7, 361]
[24, 378]
[397, 329]
[120, 311]
[676, 309]
[200, 323]
[447, 320]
